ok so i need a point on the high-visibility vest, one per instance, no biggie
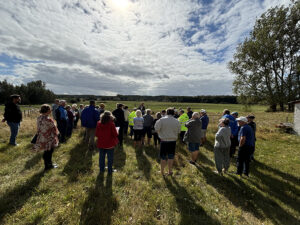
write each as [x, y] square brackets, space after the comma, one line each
[183, 119]
[131, 116]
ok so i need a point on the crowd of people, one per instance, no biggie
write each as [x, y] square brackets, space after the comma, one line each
[165, 127]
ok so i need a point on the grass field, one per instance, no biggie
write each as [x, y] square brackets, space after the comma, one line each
[75, 193]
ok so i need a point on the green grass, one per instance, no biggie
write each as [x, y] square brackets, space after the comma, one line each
[75, 193]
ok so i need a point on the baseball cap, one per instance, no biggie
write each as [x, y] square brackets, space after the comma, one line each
[242, 118]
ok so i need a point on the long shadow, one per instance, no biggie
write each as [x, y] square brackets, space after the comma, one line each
[209, 146]
[191, 212]
[119, 158]
[152, 153]
[100, 203]
[33, 161]
[143, 162]
[80, 162]
[6, 147]
[248, 198]
[204, 160]
[15, 198]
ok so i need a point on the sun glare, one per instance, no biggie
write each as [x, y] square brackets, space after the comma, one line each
[121, 4]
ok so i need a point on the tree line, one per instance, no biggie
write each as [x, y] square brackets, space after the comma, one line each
[267, 63]
[34, 92]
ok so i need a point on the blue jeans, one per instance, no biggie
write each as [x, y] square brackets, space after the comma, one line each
[14, 129]
[110, 159]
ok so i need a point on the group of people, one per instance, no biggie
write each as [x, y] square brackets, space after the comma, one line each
[165, 127]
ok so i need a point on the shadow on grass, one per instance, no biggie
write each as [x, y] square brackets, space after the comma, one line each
[100, 203]
[191, 213]
[33, 161]
[15, 198]
[204, 160]
[152, 152]
[119, 158]
[248, 198]
[6, 147]
[143, 162]
[80, 161]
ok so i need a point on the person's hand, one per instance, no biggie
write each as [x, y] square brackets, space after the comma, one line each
[3, 120]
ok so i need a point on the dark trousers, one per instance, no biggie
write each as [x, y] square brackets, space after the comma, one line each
[243, 160]
[234, 143]
[47, 156]
[14, 129]
[110, 158]
[156, 139]
[120, 136]
[125, 128]
[131, 131]
[70, 126]
[182, 133]
[62, 128]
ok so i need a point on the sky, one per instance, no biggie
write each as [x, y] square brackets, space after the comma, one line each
[128, 47]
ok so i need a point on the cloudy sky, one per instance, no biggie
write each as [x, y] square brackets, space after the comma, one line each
[108, 47]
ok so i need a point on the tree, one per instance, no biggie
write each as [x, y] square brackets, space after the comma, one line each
[266, 62]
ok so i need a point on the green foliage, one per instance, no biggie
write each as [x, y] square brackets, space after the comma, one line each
[266, 64]
[34, 92]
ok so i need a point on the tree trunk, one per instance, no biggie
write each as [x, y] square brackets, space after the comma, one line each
[273, 107]
[281, 107]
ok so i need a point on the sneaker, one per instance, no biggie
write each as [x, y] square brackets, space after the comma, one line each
[192, 162]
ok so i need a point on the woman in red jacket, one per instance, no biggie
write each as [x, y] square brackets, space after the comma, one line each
[107, 135]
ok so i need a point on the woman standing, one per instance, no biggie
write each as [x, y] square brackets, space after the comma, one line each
[138, 128]
[107, 135]
[222, 146]
[47, 136]
[155, 134]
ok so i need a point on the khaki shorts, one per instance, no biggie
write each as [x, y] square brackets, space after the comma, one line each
[203, 133]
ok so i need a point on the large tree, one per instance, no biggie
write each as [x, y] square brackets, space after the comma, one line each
[267, 63]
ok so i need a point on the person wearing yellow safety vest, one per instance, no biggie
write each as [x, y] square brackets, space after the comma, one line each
[183, 118]
[131, 116]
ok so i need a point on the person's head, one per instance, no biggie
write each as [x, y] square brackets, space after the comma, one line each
[56, 101]
[62, 103]
[235, 114]
[242, 121]
[92, 102]
[15, 98]
[138, 113]
[195, 115]
[181, 112]
[163, 112]
[74, 106]
[119, 105]
[102, 106]
[106, 117]
[202, 112]
[97, 106]
[158, 115]
[142, 104]
[170, 111]
[250, 117]
[81, 106]
[226, 112]
[224, 122]
[189, 109]
[45, 109]
[126, 107]
[134, 109]
[148, 111]
[68, 107]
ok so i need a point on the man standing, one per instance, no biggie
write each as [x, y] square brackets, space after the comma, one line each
[189, 112]
[142, 108]
[234, 130]
[62, 120]
[89, 118]
[54, 107]
[131, 116]
[183, 118]
[246, 143]
[168, 129]
[205, 120]
[126, 117]
[252, 124]
[13, 117]
[119, 121]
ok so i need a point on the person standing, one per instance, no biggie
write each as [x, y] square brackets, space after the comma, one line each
[76, 114]
[62, 120]
[189, 112]
[89, 118]
[131, 116]
[13, 117]
[126, 123]
[155, 134]
[47, 136]
[234, 130]
[138, 127]
[222, 146]
[252, 124]
[142, 108]
[205, 121]
[148, 121]
[81, 108]
[168, 129]
[70, 123]
[118, 113]
[193, 136]
[54, 107]
[107, 135]
[102, 108]
[183, 118]
[246, 144]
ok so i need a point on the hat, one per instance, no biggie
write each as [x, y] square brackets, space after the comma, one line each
[203, 111]
[251, 116]
[235, 113]
[242, 118]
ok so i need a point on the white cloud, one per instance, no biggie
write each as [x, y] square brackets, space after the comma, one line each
[152, 47]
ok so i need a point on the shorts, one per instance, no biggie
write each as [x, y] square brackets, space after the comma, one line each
[193, 147]
[167, 150]
[203, 133]
[138, 134]
[148, 131]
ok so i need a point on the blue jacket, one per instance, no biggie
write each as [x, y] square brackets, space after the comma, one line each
[205, 121]
[233, 124]
[61, 114]
[89, 117]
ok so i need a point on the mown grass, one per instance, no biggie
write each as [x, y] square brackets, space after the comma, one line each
[76, 193]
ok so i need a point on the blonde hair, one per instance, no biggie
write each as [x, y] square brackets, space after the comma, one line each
[138, 113]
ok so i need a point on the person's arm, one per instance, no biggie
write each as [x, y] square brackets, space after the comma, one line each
[219, 134]
[188, 123]
[242, 141]
[157, 126]
[114, 130]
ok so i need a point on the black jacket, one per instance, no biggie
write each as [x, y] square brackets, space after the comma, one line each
[12, 113]
[120, 119]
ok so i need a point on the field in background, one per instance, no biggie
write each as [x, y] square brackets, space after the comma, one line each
[75, 193]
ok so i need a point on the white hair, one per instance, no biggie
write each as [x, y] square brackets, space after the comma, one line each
[138, 113]
[74, 105]
[196, 115]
